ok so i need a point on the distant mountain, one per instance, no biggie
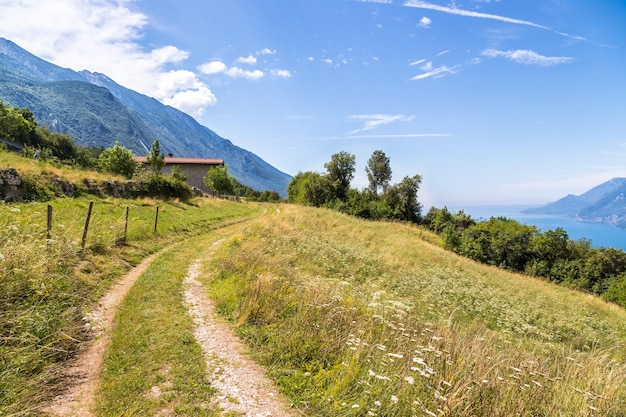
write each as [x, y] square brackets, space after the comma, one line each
[96, 111]
[605, 203]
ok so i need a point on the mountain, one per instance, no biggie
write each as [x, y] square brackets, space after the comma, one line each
[605, 203]
[96, 111]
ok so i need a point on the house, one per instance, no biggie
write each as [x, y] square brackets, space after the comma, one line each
[194, 168]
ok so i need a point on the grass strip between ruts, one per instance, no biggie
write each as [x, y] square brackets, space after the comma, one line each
[154, 365]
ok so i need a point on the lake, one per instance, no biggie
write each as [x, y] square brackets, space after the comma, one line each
[600, 235]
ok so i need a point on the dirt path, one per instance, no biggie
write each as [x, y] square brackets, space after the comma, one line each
[83, 372]
[242, 384]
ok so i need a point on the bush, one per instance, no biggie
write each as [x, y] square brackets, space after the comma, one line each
[151, 184]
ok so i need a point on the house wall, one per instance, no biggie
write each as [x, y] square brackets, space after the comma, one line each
[194, 174]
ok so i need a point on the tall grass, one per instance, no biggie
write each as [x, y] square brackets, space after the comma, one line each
[48, 286]
[358, 318]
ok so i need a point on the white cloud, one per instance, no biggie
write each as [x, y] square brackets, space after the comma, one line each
[193, 102]
[266, 51]
[236, 72]
[372, 121]
[102, 36]
[419, 4]
[182, 89]
[425, 22]
[527, 57]
[168, 54]
[436, 73]
[250, 60]
[173, 82]
[213, 67]
[282, 73]
[376, 1]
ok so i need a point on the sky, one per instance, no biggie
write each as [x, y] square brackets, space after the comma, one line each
[490, 101]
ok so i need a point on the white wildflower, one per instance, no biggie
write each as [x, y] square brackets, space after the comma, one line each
[394, 399]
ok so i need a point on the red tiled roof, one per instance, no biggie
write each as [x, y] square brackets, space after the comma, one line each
[195, 161]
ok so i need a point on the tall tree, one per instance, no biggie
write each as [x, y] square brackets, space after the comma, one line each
[378, 172]
[340, 173]
[155, 157]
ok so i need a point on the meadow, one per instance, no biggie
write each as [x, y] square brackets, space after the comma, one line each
[349, 317]
[356, 318]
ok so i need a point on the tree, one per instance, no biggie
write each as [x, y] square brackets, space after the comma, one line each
[402, 198]
[378, 172]
[340, 173]
[155, 157]
[117, 160]
[219, 180]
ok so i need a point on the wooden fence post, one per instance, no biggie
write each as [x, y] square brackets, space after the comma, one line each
[126, 225]
[86, 226]
[156, 219]
[49, 227]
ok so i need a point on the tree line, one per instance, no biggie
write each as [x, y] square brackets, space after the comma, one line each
[379, 201]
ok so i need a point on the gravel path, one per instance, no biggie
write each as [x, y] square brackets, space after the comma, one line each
[242, 384]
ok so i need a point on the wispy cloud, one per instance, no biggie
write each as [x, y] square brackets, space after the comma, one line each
[372, 121]
[527, 57]
[435, 72]
[470, 13]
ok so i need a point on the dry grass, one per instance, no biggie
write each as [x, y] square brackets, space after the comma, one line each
[361, 318]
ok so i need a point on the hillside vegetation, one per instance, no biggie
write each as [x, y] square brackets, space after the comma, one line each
[47, 286]
[364, 318]
[350, 317]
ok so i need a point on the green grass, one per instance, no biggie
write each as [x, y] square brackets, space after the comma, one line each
[361, 318]
[47, 287]
[153, 349]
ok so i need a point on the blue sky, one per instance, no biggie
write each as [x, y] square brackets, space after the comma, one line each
[491, 101]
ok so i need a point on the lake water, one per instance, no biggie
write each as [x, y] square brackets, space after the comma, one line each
[600, 235]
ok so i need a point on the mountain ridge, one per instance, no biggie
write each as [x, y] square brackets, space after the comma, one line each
[604, 203]
[96, 111]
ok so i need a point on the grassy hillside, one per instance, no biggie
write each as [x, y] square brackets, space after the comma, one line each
[361, 318]
[350, 317]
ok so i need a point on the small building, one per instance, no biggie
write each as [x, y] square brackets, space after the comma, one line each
[194, 168]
